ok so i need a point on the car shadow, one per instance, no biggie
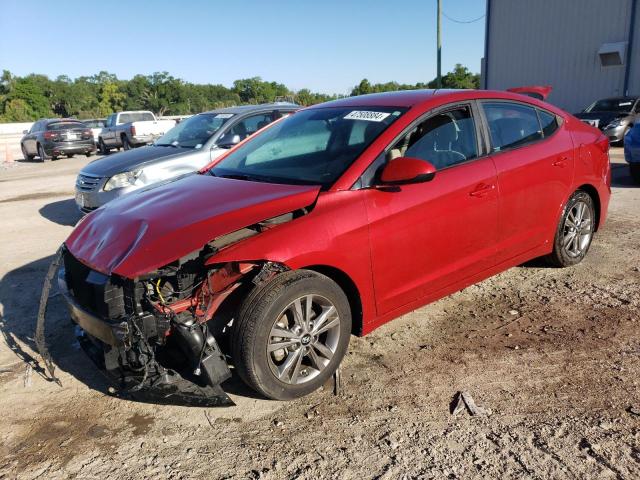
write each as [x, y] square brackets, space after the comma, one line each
[620, 176]
[62, 212]
[20, 291]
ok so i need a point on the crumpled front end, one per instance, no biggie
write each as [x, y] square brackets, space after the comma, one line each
[151, 334]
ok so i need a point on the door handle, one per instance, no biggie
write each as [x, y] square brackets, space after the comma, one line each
[560, 162]
[481, 190]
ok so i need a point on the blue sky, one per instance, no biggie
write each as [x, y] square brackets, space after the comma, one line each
[327, 46]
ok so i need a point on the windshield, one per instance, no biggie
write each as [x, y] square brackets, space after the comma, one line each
[194, 131]
[136, 117]
[621, 105]
[65, 125]
[310, 147]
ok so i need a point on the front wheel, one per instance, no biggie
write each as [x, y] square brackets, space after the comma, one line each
[291, 334]
[575, 231]
[634, 170]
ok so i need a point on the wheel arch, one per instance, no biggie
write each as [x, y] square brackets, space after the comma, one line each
[595, 196]
[350, 289]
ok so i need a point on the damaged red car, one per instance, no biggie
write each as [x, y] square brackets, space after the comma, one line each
[327, 224]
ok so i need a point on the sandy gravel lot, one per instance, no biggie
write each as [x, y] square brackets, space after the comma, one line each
[555, 354]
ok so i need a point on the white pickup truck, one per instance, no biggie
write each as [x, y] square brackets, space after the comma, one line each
[131, 129]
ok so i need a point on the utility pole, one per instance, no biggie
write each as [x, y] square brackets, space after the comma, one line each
[439, 77]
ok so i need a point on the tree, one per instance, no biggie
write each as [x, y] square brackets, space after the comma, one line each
[459, 77]
[111, 99]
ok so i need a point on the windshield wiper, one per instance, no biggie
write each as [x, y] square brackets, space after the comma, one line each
[174, 145]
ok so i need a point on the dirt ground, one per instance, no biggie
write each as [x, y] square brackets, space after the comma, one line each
[553, 353]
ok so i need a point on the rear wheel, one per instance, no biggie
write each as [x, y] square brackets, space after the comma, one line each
[42, 154]
[575, 231]
[25, 155]
[291, 334]
[634, 170]
[125, 143]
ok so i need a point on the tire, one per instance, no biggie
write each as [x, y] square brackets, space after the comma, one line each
[574, 232]
[42, 154]
[104, 150]
[25, 155]
[270, 308]
[70, 155]
[88, 154]
[634, 171]
[125, 143]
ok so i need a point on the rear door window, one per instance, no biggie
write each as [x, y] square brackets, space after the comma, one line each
[511, 125]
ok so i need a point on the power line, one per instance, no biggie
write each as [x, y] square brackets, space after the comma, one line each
[462, 21]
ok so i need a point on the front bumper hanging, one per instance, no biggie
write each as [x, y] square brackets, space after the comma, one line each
[137, 368]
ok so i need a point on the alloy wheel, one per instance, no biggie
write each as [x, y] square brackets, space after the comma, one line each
[303, 339]
[578, 229]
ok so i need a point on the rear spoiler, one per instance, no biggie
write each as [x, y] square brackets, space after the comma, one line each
[535, 91]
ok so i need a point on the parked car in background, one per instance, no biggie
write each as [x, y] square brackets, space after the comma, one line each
[96, 125]
[632, 151]
[187, 147]
[131, 129]
[51, 138]
[613, 116]
[328, 223]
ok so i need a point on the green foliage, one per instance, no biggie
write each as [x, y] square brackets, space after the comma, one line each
[37, 96]
[460, 77]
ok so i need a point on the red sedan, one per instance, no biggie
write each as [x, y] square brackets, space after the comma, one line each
[325, 224]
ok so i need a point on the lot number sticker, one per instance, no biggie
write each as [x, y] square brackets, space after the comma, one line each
[368, 116]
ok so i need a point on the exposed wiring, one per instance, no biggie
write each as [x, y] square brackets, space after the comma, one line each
[158, 291]
[462, 21]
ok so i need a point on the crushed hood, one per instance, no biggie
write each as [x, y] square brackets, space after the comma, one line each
[147, 229]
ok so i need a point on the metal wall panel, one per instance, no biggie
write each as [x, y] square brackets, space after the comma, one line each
[634, 72]
[556, 42]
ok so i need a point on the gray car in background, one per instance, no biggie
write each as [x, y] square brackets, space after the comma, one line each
[187, 147]
[613, 116]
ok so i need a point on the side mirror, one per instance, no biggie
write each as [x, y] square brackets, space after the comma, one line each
[228, 140]
[406, 170]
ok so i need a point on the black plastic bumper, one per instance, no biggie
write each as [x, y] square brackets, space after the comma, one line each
[104, 342]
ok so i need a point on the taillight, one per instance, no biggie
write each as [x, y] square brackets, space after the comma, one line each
[48, 135]
[133, 130]
[88, 132]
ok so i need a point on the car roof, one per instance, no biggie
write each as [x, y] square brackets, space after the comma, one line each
[255, 108]
[412, 98]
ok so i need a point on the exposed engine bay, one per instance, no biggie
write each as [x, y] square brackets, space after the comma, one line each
[158, 335]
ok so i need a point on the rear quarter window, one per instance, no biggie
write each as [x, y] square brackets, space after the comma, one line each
[548, 122]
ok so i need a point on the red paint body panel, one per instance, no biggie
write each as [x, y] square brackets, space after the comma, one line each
[401, 248]
[543, 91]
[143, 231]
